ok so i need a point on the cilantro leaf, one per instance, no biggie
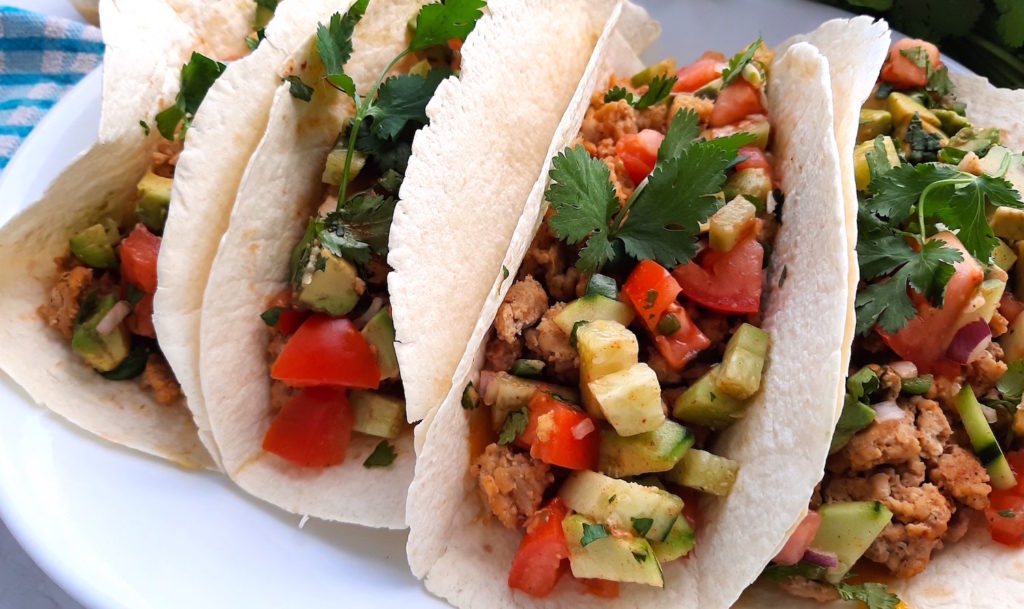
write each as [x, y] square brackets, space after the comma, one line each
[386, 154]
[591, 533]
[367, 218]
[403, 99]
[514, 425]
[642, 525]
[617, 94]
[924, 146]
[682, 131]
[738, 62]
[299, 89]
[197, 76]
[382, 456]
[939, 82]
[344, 244]
[1011, 385]
[145, 127]
[964, 208]
[874, 596]
[440, 22]
[581, 195]
[272, 315]
[918, 55]
[878, 159]
[334, 43]
[658, 91]
[896, 193]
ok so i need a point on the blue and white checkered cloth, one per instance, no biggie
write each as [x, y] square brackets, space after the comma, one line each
[41, 58]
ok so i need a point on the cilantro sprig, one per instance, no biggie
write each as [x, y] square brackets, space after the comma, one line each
[739, 61]
[658, 91]
[938, 78]
[662, 218]
[873, 595]
[197, 76]
[382, 456]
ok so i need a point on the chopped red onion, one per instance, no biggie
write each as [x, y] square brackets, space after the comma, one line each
[488, 389]
[990, 413]
[114, 317]
[583, 429]
[799, 541]
[375, 305]
[905, 369]
[888, 411]
[970, 341]
[821, 558]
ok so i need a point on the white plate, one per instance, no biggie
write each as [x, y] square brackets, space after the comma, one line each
[120, 530]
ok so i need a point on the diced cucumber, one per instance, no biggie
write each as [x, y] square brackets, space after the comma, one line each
[665, 67]
[856, 416]
[592, 308]
[678, 543]
[740, 372]
[605, 347]
[983, 440]
[626, 506]
[730, 224]
[507, 393]
[752, 181]
[629, 399]
[847, 530]
[92, 246]
[470, 397]
[654, 451]
[919, 385]
[379, 332]
[705, 404]
[377, 414]
[705, 472]
[529, 368]
[621, 559]
[710, 90]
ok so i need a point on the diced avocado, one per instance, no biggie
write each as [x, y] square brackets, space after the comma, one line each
[621, 559]
[377, 414]
[847, 530]
[705, 404]
[978, 141]
[602, 285]
[102, 352]
[329, 284]
[710, 90]
[379, 332]
[872, 124]
[678, 543]
[731, 223]
[1013, 341]
[665, 67]
[1003, 256]
[861, 170]
[621, 504]
[983, 440]
[153, 200]
[654, 451]
[752, 181]
[856, 416]
[629, 399]
[507, 393]
[1008, 223]
[334, 169]
[605, 347]
[92, 246]
[740, 372]
[593, 307]
[950, 121]
[919, 385]
[420, 68]
[705, 472]
[903, 107]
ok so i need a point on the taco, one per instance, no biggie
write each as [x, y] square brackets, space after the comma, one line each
[922, 499]
[80, 265]
[627, 396]
[305, 396]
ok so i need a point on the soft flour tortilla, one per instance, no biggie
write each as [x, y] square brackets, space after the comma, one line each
[223, 136]
[474, 171]
[975, 571]
[452, 543]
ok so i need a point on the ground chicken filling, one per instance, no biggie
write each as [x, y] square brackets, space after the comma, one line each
[102, 298]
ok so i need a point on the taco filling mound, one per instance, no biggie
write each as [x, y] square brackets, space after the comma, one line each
[927, 447]
[641, 288]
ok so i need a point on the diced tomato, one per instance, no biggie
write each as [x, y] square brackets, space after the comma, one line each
[901, 70]
[650, 289]
[755, 159]
[327, 351]
[727, 282]
[1005, 515]
[541, 558]
[1010, 307]
[926, 337]
[139, 252]
[1016, 461]
[551, 434]
[685, 343]
[141, 320]
[455, 44]
[289, 320]
[736, 101]
[800, 540]
[639, 152]
[313, 429]
[697, 74]
[604, 588]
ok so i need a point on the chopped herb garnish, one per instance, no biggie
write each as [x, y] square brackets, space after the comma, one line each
[924, 146]
[299, 89]
[783, 275]
[642, 525]
[738, 62]
[197, 76]
[640, 557]
[874, 596]
[514, 425]
[575, 328]
[650, 298]
[658, 91]
[592, 532]
[1007, 513]
[272, 315]
[611, 499]
[133, 365]
[145, 127]
[470, 397]
[382, 456]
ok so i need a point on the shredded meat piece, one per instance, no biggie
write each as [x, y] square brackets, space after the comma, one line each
[623, 183]
[165, 157]
[655, 117]
[960, 474]
[933, 431]
[666, 374]
[550, 257]
[525, 302]
[890, 381]
[501, 355]
[551, 343]
[808, 588]
[887, 443]
[943, 391]
[159, 377]
[512, 484]
[715, 326]
[684, 101]
[984, 372]
[958, 526]
[65, 299]
[608, 120]
[999, 325]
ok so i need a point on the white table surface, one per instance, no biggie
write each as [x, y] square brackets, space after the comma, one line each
[22, 584]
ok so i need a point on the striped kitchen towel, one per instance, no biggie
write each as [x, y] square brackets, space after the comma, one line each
[41, 58]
